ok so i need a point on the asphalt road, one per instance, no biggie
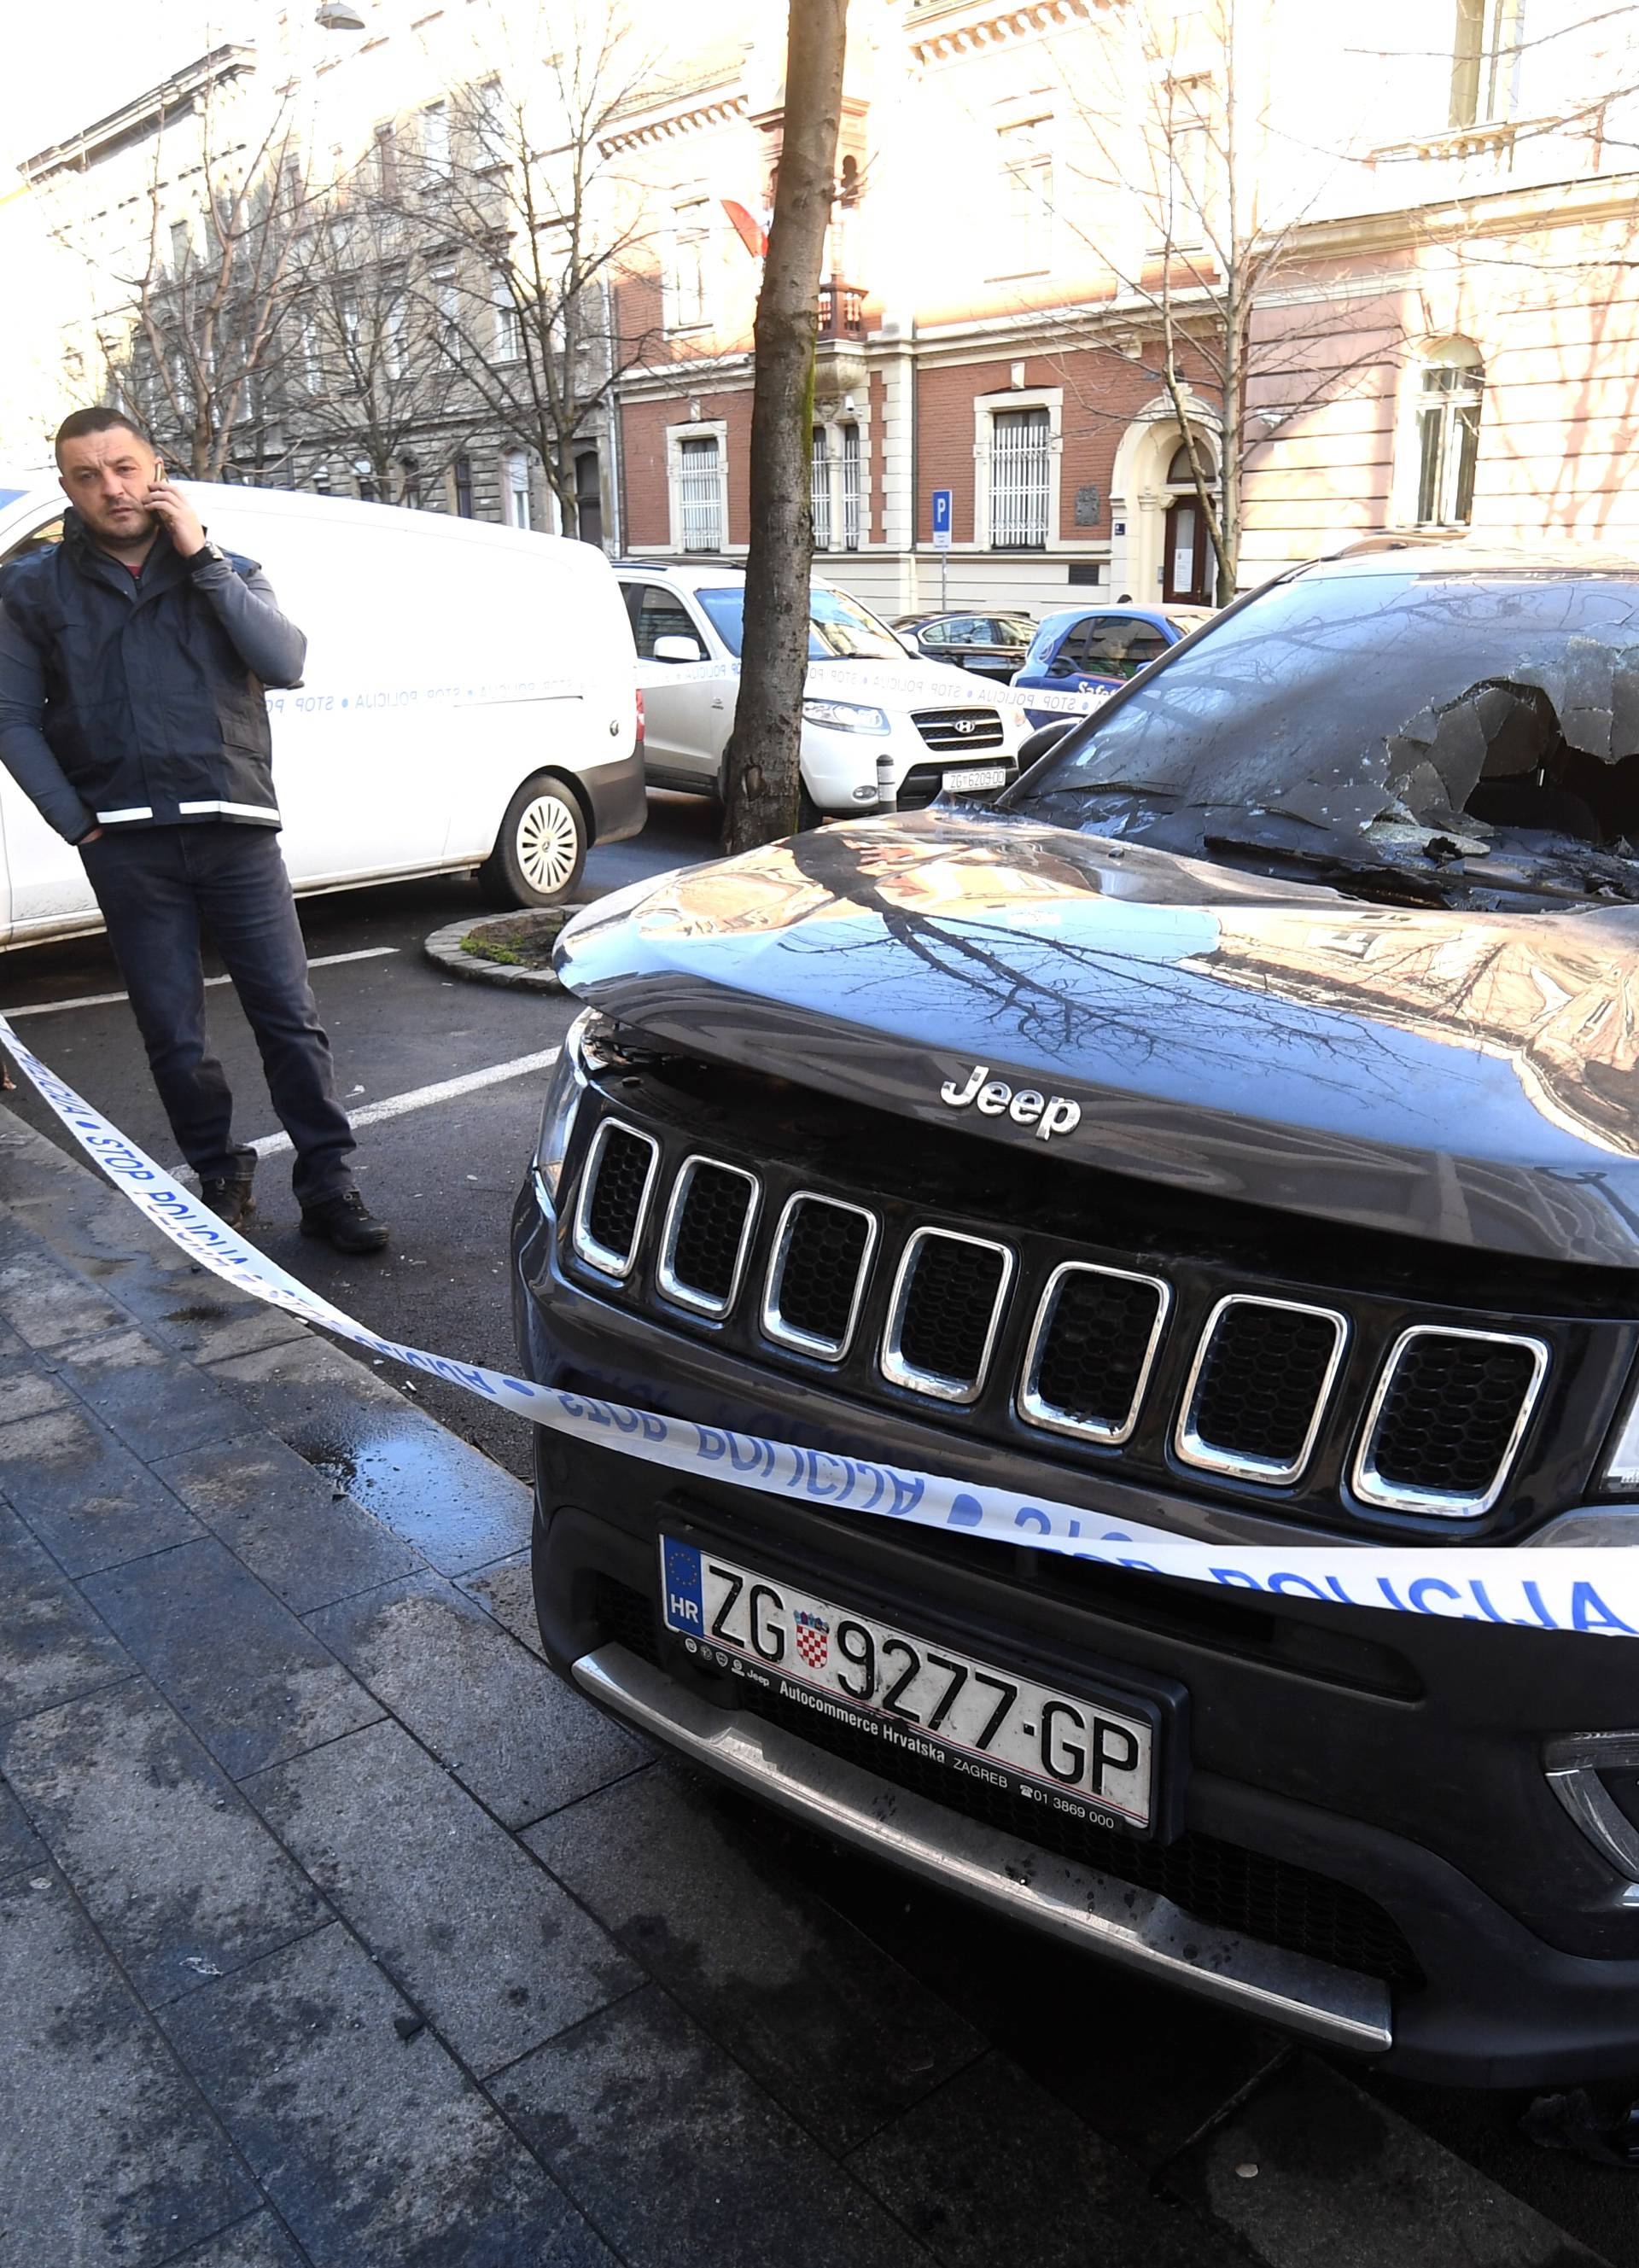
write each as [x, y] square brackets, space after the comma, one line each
[1145, 2066]
[443, 1175]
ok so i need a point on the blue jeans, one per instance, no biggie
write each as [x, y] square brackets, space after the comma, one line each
[158, 888]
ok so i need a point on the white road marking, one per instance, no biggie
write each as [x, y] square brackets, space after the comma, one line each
[107, 1000]
[420, 1098]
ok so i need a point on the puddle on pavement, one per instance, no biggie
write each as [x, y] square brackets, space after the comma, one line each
[448, 1500]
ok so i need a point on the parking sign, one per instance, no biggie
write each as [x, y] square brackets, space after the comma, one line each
[942, 519]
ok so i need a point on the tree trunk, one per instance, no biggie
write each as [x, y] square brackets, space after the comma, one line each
[762, 765]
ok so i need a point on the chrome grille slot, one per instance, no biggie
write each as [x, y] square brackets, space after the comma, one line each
[614, 1198]
[817, 1278]
[959, 732]
[1092, 1348]
[707, 1234]
[1259, 1387]
[1449, 1413]
[946, 1309]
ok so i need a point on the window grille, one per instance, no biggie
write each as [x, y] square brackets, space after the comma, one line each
[1020, 468]
[850, 487]
[699, 495]
[1448, 443]
[819, 488]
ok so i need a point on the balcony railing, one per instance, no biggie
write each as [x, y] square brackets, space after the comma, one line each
[841, 310]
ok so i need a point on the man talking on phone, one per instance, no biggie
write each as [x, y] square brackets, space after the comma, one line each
[133, 657]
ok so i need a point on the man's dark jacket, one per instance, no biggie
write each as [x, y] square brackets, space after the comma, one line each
[136, 701]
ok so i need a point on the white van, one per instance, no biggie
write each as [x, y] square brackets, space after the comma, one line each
[470, 701]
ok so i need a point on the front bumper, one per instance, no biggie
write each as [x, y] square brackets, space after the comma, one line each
[1398, 1757]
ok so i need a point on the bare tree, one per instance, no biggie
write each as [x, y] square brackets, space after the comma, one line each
[204, 333]
[1178, 201]
[362, 377]
[762, 764]
[526, 229]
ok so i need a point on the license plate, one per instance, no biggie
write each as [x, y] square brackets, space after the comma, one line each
[1077, 1755]
[975, 780]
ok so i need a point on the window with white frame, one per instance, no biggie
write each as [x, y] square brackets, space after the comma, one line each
[435, 139]
[447, 309]
[700, 493]
[515, 490]
[1026, 207]
[1020, 470]
[1485, 60]
[395, 346]
[819, 488]
[1448, 438]
[308, 340]
[685, 279]
[508, 328]
[850, 487]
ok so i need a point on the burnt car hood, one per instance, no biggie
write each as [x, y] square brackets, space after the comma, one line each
[1467, 1077]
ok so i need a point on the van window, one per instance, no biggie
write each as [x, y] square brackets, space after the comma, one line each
[658, 612]
[39, 539]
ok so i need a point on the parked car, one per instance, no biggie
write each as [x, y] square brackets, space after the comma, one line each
[988, 645]
[469, 702]
[865, 694]
[1078, 651]
[1237, 1132]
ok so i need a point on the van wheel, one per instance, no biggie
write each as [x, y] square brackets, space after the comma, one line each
[541, 850]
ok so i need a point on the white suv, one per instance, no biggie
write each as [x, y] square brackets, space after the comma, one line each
[865, 693]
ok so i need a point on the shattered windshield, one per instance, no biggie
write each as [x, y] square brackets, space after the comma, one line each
[1452, 730]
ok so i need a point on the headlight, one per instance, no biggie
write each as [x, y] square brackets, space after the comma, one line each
[558, 1118]
[846, 716]
[1621, 1464]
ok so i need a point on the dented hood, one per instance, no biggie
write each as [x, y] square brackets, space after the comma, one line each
[1468, 1077]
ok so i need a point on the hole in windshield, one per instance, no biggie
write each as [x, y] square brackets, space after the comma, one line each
[1450, 732]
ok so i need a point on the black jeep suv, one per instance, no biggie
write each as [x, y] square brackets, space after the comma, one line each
[1233, 1131]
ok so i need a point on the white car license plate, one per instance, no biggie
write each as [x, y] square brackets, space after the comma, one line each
[975, 779]
[1077, 1755]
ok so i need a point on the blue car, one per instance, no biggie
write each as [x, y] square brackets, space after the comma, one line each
[1076, 651]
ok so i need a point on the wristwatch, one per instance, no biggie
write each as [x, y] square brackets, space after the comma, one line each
[207, 552]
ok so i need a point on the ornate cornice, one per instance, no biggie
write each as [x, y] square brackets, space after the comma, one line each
[939, 35]
[715, 110]
[176, 92]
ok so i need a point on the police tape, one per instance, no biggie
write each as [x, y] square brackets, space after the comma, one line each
[1591, 1588]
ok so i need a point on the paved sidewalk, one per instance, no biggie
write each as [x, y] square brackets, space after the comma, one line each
[333, 1929]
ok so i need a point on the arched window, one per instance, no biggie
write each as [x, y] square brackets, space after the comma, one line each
[1448, 434]
[1179, 473]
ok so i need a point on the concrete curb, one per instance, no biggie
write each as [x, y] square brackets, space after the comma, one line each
[443, 948]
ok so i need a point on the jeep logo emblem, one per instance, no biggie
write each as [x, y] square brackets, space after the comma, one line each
[1048, 1114]
[967, 724]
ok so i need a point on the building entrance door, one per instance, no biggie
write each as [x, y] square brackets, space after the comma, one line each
[1187, 558]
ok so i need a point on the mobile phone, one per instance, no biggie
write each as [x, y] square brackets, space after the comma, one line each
[159, 472]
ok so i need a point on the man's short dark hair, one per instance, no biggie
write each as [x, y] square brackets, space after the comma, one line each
[101, 418]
